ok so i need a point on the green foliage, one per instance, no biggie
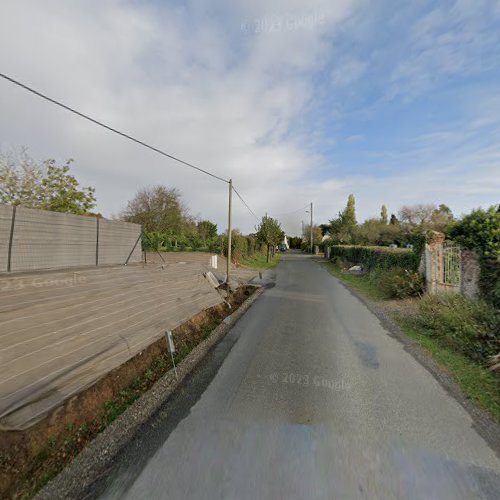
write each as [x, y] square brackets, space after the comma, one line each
[167, 223]
[207, 230]
[397, 283]
[441, 218]
[479, 230]
[159, 209]
[269, 233]
[383, 215]
[295, 242]
[317, 237]
[242, 247]
[342, 228]
[377, 257]
[394, 220]
[489, 281]
[376, 232]
[468, 326]
[46, 187]
[61, 192]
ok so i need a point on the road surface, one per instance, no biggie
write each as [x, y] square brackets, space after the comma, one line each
[314, 400]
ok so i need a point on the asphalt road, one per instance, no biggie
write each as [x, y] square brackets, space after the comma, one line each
[312, 398]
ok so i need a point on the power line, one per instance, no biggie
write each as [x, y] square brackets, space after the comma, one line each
[245, 203]
[101, 124]
[294, 211]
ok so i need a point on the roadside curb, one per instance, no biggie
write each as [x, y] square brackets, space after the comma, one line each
[97, 457]
[483, 423]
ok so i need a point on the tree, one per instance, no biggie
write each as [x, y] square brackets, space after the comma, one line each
[376, 232]
[206, 230]
[479, 230]
[270, 233]
[325, 228]
[47, 186]
[316, 233]
[349, 214]
[394, 220]
[61, 192]
[383, 214]
[159, 208]
[419, 215]
[441, 218]
[342, 228]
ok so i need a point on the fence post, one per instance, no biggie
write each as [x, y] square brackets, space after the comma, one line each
[142, 244]
[97, 243]
[11, 238]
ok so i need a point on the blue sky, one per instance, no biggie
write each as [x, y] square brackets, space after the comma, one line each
[396, 102]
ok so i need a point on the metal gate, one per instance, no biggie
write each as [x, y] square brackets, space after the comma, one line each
[451, 265]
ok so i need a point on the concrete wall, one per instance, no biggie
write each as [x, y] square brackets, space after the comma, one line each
[51, 240]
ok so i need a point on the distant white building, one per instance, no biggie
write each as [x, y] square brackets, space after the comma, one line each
[285, 242]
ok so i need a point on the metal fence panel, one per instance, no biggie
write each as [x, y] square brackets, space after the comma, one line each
[116, 241]
[5, 226]
[48, 240]
[42, 240]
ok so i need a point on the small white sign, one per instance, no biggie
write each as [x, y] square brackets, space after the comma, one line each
[170, 342]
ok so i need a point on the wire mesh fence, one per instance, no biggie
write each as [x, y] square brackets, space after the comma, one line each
[32, 240]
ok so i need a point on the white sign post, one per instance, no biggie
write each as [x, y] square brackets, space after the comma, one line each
[171, 348]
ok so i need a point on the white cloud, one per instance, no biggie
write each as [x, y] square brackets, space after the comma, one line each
[188, 79]
[347, 72]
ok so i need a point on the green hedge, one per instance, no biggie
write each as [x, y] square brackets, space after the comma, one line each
[371, 258]
[164, 242]
[242, 247]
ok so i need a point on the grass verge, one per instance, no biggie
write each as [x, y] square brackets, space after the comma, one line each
[259, 261]
[360, 283]
[477, 382]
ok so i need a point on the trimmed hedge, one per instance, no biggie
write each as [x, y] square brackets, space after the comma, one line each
[371, 258]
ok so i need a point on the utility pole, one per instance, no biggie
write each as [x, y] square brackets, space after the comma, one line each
[303, 233]
[311, 228]
[229, 231]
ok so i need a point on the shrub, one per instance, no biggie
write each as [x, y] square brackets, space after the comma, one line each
[398, 283]
[469, 326]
